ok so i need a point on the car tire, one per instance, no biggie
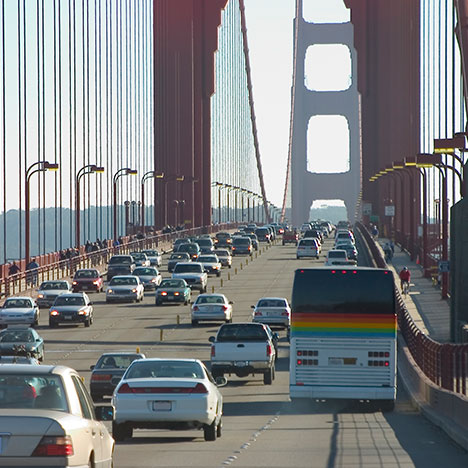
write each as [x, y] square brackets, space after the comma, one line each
[186, 302]
[230, 266]
[87, 322]
[386, 406]
[41, 357]
[218, 274]
[52, 324]
[210, 431]
[297, 257]
[120, 432]
[229, 320]
[219, 428]
[194, 323]
[268, 376]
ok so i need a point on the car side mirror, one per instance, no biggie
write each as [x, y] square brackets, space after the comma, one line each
[252, 307]
[221, 381]
[276, 336]
[92, 367]
[90, 303]
[211, 339]
[38, 339]
[104, 413]
[231, 302]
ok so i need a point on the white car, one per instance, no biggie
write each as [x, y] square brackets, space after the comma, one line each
[125, 288]
[211, 264]
[19, 310]
[47, 418]
[153, 256]
[225, 257]
[308, 247]
[336, 257]
[193, 273]
[272, 311]
[210, 307]
[49, 290]
[149, 276]
[167, 394]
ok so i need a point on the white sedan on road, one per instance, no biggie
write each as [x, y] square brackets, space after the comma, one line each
[19, 310]
[272, 311]
[125, 288]
[211, 307]
[167, 394]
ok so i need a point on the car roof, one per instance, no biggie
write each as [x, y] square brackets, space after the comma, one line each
[77, 294]
[122, 353]
[268, 298]
[19, 297]
[168, 359]
[125, 276]
[211, 295]
[43, 369]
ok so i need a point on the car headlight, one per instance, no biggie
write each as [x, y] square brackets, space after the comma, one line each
[134, 290]
[83, 312]
[40, 296]
[109, 291]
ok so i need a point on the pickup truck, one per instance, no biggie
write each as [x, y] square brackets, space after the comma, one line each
[193, 273]
[290, 237]
[243, 349]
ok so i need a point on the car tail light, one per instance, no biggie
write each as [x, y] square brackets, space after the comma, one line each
[213, 351]
[54, 447]
[100, 377]
[195, 308]
[199, 388]
[233, 248]
[224, 308]
[268, 350]
[125, 388]
[83, 312]
[96, 282]
[163, 293]
[285, 313]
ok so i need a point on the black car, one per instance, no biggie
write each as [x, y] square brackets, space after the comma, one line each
[120, 265]
[108, 371]
[242, 246]
[223, 240]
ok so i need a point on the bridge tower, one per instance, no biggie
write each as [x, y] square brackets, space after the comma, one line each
[306, 186]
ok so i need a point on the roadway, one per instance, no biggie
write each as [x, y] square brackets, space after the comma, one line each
[262, 428]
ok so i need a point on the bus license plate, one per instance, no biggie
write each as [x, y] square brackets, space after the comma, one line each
[334, 361]
[162, 406]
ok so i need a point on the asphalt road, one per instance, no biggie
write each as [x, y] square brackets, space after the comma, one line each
[262, 428]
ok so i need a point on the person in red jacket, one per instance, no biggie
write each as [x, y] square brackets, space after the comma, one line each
[405, 277]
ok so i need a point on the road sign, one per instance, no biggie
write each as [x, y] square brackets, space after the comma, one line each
[390, 210]
[444, 266]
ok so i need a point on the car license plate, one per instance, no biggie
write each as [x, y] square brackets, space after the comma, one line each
[67, 317]
[162, 405]
[241, 363]
[334, 361]
[170, 298]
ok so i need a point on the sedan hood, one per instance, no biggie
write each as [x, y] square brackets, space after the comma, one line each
[187, 275]
[53, 292]
[124, 287]
[70, 308]
[16, 311]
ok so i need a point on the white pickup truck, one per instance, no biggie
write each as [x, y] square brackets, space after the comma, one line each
[243, 349]
[193, 273]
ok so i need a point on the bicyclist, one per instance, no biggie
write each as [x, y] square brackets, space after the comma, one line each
[405, 277]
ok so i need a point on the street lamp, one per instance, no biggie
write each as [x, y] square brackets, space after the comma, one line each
[146, 176]
[220, 186]
[40, 166]
[178, 178]
[88, 169]
[121, 172]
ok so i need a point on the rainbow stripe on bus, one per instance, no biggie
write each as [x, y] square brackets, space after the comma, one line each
[310, 324]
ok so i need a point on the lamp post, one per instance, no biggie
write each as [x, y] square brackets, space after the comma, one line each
[88, 169]
[178, 178]
[40, 166]
[121, 172]
[146, 176]
[220, 186]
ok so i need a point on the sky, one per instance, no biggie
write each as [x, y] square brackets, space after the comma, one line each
[270, 36]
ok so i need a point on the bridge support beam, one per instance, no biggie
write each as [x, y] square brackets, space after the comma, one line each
[185, 41]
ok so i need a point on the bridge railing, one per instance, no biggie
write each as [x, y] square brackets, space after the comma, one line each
[27, 280]
[445, 364]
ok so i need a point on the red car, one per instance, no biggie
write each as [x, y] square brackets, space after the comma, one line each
[290, 237]
[87, 279]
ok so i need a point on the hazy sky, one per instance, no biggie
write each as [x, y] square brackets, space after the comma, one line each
[270, 36]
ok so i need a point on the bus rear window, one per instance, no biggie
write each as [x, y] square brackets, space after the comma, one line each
[343, 291]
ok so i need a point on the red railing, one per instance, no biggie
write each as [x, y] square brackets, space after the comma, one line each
[27, 280]
[445, 364]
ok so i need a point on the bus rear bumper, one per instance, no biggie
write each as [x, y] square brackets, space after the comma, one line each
[346, 393]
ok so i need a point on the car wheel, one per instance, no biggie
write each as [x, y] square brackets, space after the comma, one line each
[52, 324]
[230, 266]
[41, 357]
[36, 321]
[229, 320]
[386, 406]
[158, 303]
[194, 323]
[186, 302]
[87, 322]
[297, 257]
[218, 274]
[210, 431]
[268, 376]
[120, 432]
[219, 428]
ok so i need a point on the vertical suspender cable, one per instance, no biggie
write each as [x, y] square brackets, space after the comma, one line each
[55, 127]
[4, 136]
[20, 136]
[60, 123]
[252, 110]
[88, 126]
[39, 146]
[43, 250]
[97, 160]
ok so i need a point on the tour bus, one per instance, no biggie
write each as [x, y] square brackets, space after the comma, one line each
[343, 335]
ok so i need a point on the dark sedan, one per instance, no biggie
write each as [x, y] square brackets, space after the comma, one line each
[173, 290]
[15, 338]
[87, 279]
[108, 371]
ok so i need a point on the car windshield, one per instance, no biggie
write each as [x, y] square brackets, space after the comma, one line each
[191, 248]
[138, 256]
[245, 332]
[115, 281]
[17, 303]
[179, 256]
[222, 253]
[188, 268]
[32, 391]
[17, 336]
[204, 242]
[337, 254]
[307, 242]
[207, 259]
[86, 274]
[172, 284]
[164, 369]
[121, 261]
[69, 301]
[145, 272]
[116, 361]
[53, 285]
[210, 300]
[242, 241]
[271, 303]
[151, 253]
[223, 235]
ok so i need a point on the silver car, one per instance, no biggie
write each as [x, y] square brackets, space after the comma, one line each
[273, 311]
[154, 257]
[47, 418]
[49, 290]
[19, 310]
[125, 288]
[211, 307]
[149, 276]
[71, 308]
[224, 257]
